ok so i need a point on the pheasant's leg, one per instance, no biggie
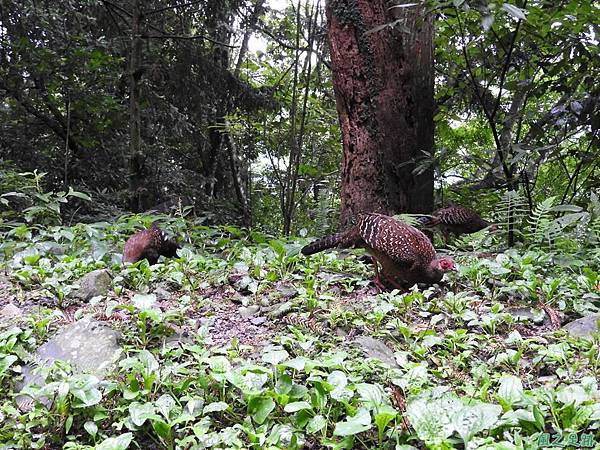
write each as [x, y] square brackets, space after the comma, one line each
[446, 235]
[396, 284]
[377, 280]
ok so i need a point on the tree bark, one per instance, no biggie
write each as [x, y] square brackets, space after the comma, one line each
[137, 173]
[383, 80]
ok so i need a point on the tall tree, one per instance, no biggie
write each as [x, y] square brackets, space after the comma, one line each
[382, 62]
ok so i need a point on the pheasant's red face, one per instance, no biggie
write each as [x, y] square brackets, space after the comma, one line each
[447, 264]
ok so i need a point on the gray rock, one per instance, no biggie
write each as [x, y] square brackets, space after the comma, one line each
[533, 314]
[286, 290]
[249, 311]
[161, 294]
[179, 337]
[88, 346]
[95, 283]
[278, 310]
[375, 348]
[54, 248]
[10, 311]
[258, 320]
[238, 298]
[584, 327]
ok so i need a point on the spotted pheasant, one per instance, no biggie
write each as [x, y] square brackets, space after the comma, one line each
[456, 220]
[404, 252]
[149, 244]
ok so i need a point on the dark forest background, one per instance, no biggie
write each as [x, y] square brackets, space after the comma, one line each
[162, 106]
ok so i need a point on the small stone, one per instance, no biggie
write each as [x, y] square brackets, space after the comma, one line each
[93, 284]
[249, 311]
[375, 348]
[161, 294]
[258, 320]
[205, 322]
[237, 298]
[340, 332]
[55, 249]
[10, 311]
[286, 290]
[584, 327]
[533, 314]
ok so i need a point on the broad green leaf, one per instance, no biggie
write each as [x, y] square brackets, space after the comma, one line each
[514, 11]
[296, 406]
[284, 384]
[162, 428]
[149, 362]
[511, 389]
[337, 379]
[573, 394]
[260, 408]
[249, 383]
[165, 405]
[297, 363]
[274, 357]
[88, 397]
[91, 427]
[77, 194]
[215, 407]
[354, 425]
[116, 443]
[219, 364]
[429, 414]
[384, 416]
[140, 412]
[316, 424]
[371, 395]
[6, 362]
[342, 394]
[470, 420]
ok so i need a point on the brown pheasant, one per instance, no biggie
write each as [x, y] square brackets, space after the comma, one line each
[456, 220]
[404, 252]
[149, 244]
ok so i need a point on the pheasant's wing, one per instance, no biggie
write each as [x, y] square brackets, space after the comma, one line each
[151, 254]
[455, 215]
[401, 242]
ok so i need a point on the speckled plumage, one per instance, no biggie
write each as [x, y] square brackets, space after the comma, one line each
[404, 252]
[149, 244]
[455, 219]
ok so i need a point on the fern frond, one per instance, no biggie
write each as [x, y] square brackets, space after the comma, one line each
[514, 208]
[539, 221]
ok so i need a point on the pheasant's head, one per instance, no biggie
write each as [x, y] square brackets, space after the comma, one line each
[493, 227]
[169, 246]
[436, 269]
[444, 264]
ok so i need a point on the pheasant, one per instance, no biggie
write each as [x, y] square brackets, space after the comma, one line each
[455, 219]
[404, 252]
[149, 244]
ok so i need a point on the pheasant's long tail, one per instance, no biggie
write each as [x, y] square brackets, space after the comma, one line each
[344, 240]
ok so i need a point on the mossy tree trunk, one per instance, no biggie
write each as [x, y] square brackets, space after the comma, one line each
[382, 61]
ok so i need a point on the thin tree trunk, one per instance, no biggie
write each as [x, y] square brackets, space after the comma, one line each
[252, 20]
[136, 157]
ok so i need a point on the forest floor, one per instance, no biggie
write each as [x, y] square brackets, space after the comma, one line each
[243, 343]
